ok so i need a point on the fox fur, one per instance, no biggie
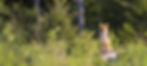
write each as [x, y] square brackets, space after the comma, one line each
[105, 43]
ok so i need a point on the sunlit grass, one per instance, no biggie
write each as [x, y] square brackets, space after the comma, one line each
[84, 51]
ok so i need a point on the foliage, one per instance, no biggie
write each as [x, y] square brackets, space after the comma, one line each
[84, 52]
[61, 45]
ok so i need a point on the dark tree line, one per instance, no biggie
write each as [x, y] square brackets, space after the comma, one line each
[35, 17]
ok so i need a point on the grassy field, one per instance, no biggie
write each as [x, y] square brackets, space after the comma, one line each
[80, 51]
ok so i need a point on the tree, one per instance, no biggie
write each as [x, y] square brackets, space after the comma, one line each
[80, 15]
[38, 24]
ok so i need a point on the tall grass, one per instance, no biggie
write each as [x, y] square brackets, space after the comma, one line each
[82, 50]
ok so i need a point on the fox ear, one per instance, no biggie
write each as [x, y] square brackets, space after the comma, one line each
[101, 24]
[106, 24]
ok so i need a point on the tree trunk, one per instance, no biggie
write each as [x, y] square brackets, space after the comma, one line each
[38, 24]
[80, 15]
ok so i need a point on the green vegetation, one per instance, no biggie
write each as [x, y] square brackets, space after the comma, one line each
[84, 52]
[59, 44]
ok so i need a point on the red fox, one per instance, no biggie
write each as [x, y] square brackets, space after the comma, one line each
[105, 43]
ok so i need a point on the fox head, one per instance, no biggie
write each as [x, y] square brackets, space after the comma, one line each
[104, 26]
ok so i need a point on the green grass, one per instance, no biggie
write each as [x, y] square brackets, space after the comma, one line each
[84, 51]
